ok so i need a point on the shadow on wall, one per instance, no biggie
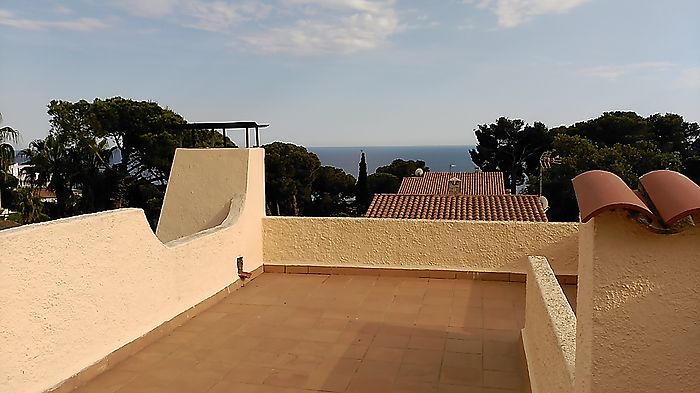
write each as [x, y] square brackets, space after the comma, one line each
[203, 190]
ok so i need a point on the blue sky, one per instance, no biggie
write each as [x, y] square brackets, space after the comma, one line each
[354, 72]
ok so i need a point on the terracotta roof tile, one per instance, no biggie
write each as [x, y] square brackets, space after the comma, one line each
[436, 183]
[671, 195]
[598, 191]
[458, 207]
[674, 195]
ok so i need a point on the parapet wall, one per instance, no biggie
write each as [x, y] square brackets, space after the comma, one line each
[77, 289]
[549, 336]
[486, 246]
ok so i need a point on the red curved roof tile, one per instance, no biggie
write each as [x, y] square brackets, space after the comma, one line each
[458, 207]
[673, 194]
[437, 183]
[599, 191]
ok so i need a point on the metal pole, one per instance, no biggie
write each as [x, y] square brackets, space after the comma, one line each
[224, 131]
[247, 142]
[257, 137]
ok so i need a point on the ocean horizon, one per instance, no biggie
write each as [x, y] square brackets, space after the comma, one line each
[437, 158]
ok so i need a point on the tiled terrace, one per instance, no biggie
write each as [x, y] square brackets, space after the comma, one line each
[305, 333]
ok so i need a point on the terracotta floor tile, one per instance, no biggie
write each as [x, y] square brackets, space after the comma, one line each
[310, 332]
[503, 362]
[503, 379]
[370, 385]
[445, 388]
[422, 357]
[414, 387]
[385, 354]
[423, 342]
[418, 373]
[464, 345]
[108, 382]
[351, 351]
[463, 360]
[287, 379]
[390, 340]
[378, 370]
[230, 387]
[461, 376]
[328, 382]
[249, 374]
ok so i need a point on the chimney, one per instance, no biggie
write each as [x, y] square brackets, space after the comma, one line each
[454, 187]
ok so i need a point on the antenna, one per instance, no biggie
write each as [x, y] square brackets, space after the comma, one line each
[419, 172]
[544, 202]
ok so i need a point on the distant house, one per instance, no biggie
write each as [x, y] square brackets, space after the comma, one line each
[456, 196]
[470, 183]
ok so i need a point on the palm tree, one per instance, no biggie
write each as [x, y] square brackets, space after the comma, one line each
[50, 166]
[7, 152]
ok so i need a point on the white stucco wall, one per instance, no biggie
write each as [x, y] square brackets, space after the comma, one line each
[488, 246]
[200, 193]
[74, 290]
[549, 336]
[638, 308]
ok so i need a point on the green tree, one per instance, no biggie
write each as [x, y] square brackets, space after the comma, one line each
[579, 154]
[289, 174]
[51, 167]
[145, 134]
[613, 127]
[332, 192]
[29, 206]
[511, 147]
[362, 193]
[383, 183]
[402, 168]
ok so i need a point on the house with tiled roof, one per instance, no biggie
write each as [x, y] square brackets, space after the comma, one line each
[438, 183]
[458, 207]
[480, 196]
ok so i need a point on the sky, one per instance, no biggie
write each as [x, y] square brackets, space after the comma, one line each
[353, 72]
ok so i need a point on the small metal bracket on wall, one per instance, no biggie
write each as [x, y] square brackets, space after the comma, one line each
[239, 265]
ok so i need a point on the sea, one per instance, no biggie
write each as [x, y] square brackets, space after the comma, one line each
[437, 158]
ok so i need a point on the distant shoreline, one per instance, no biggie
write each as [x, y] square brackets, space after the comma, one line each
[437, 157]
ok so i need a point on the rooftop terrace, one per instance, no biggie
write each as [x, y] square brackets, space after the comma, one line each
[100, 303]
[339, 333]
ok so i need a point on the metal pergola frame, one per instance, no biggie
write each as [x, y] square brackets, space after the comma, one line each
[227, 125]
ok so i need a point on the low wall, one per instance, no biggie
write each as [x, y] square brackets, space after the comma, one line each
[549, 336]
[77, 289]
[486, 246]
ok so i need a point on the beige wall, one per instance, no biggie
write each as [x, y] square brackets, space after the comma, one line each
[638, 308]
[201, 193]
[549, 336]
[76, 289]
[419, 244]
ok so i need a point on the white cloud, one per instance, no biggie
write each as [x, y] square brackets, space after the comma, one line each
[689, 78]
[512, 13]
[334, 26]
[8, 19]
[147, 8]
[613, 72]
[300, 27]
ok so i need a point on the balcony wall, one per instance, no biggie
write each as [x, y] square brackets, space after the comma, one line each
[77, 289]
[482, 246]
[549, 336]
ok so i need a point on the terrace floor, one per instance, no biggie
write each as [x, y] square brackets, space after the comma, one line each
[308, 333]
